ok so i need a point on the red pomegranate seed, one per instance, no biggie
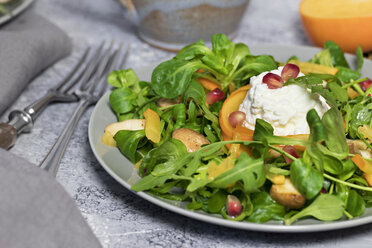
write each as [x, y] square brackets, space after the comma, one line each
[323, 191]
[273, 81]
[233, 206]
[365, 84]
[215, 96]
[290, 70]
[236, 118]
[292, 151]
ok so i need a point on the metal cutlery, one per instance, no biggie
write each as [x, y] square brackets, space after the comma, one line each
[22, 120]
[90, 90]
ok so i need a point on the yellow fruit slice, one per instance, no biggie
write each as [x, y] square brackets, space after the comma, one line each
[152, 127]
[306, 68]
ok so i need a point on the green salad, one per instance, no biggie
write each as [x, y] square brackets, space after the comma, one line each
[186, 135]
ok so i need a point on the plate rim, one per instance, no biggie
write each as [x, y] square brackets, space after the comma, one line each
[15, 12]
[262, 227]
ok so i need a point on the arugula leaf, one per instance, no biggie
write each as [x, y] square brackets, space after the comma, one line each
[347, 74]
[250, 171]
[217, 202]
[128, 141]
[338, 93]
[262, 130]
[360, 58]
[322, 58]
[149, 182]
[360, 114]
[337, 55]
[307, 180]
[196, 92]
[169, 151]
[265, 208]
[325, 207]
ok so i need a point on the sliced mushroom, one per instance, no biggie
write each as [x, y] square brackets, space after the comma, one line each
[287, 195]
[190, 138]
[164, 102]
[359, 147]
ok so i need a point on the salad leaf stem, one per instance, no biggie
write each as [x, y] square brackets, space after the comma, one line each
[354, 82]
[361, 137]
[155, 98]
[358, 89]
[351, 185]
[283, 152]
[349, 216]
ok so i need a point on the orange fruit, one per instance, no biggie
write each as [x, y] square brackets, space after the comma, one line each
[230, 105]
[208, 84]
[347, 22]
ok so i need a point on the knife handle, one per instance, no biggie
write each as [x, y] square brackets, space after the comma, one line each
[19, 121]
[8, 135]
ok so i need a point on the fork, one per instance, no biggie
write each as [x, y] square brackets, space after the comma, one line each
[88, 93]
[22, 120]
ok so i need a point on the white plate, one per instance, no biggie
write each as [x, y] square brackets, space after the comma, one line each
[122, 170]
[15, 9]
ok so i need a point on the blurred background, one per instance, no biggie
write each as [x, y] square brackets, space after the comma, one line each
[264, 21]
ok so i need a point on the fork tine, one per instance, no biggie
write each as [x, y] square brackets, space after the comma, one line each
[90, 70]
[101, 69]
[65, 81]
[114, 66]
[87, 97]
[87, 71]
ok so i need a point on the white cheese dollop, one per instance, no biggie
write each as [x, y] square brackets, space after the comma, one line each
[284, 108]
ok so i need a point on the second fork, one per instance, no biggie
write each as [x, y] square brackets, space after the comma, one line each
[88, 93]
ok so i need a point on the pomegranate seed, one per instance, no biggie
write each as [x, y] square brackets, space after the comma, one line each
[215, 96]
[273, 81]
[233, 206]
[323, 191]
[292, 151]
[365, 84]
[290, 71]
[236, 118]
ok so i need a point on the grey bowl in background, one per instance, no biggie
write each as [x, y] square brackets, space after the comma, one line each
[171, 24]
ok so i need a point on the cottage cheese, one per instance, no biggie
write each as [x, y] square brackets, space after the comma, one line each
[284, 108]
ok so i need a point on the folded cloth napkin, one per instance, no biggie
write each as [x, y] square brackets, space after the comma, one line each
[28, 45]
[35, 210]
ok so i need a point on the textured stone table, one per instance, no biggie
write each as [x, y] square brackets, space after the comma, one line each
[118, 217]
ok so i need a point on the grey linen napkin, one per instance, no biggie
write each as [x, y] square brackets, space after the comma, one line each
[35, 210]
[28, 45]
